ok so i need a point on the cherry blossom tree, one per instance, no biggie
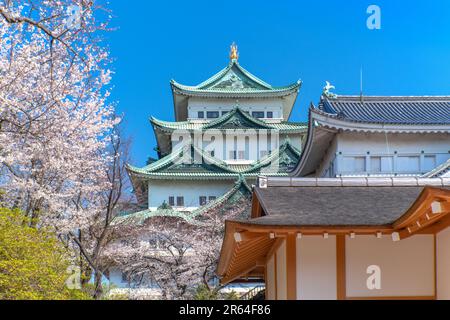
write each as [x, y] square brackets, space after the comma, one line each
[177, 254]
[55, 120]
[59, 151]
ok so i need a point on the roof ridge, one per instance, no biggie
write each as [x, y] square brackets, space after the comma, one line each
[440, 169]
[385, 97]
[356, 182]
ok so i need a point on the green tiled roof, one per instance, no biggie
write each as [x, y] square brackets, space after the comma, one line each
[238, 191]
[246, 121]
[234, 79]
[209, 167]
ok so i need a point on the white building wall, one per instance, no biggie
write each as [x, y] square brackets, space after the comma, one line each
[196, 104]
[160, 190]
[443, 264]
[270, 279]
[327, 167]
[407, 266]
[386, 154]
[281, 272]
[250, 145]
[316, 268]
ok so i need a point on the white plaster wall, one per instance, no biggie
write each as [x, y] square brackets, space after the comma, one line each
[443, 264]
[160, 190]
[316, 268]
[250, 141]
[358, 144]
[281, 273]
[196, 104]
[407, 266]
[270, 280]
[325, 168]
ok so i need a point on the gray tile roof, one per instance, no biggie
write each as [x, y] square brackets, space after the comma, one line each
[334, 206]
[390, 109]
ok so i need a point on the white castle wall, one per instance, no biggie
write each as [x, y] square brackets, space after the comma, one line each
[403, 154]
[160, 190]
[247, 143]
[196, 104]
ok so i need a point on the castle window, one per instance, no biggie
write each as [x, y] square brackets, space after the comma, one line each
[212, 114]
[224, 112]
[211, 198]
[171, 201]
[180, 201]
[241, 155]
[258, 114]
[232, 155]
[200, 114]
[202, 200]
[269, 114]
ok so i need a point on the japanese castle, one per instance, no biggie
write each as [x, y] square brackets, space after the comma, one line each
[238, 127]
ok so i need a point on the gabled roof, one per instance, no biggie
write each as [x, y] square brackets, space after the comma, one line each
[235, 119]
[408, 110]
[201, 165]
[232, 82]
[374, 115]
[239, 191]
[286, 157]
[178, 164]
[233, 79]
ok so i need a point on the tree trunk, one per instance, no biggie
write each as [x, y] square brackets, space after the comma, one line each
[98, 285]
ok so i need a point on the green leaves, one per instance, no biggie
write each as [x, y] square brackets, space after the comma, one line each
[33, 263]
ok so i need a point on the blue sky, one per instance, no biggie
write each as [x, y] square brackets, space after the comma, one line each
[280, 42]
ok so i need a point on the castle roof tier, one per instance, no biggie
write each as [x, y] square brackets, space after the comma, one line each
[233, 82]
[240, 191]
[235, 119]
[370, 114]
[200, 165]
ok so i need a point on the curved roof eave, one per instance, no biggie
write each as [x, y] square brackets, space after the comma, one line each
[334, 122]
[291, 89]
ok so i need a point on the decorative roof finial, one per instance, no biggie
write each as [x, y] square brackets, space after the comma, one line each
[326, 90]
[234, 55]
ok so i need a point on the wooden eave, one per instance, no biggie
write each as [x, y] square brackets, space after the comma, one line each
[258, 242]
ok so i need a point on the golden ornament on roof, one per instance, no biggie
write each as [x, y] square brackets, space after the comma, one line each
[234, 55]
